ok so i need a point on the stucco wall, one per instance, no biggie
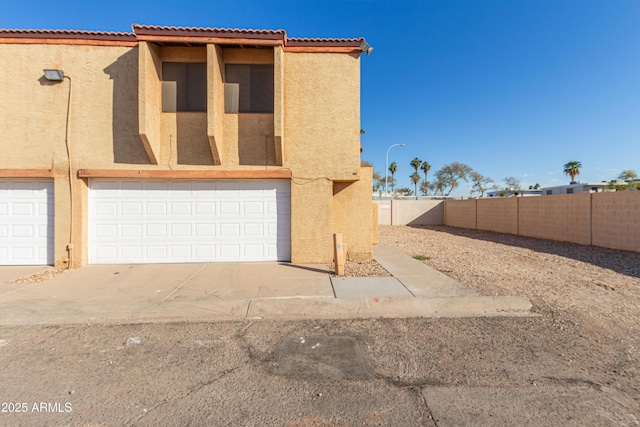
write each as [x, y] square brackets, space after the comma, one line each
[322, 144]
[248, 140]
[322, 114]
[185, 140]
[311, 221]
[149, 90]
[352, 215]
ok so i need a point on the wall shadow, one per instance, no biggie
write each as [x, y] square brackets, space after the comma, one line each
[192, 140]
[256, 142]
[620, 261]
[431, 217]
[127, 146]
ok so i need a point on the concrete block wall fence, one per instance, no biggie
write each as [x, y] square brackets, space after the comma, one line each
[610, 220]
[410, 212]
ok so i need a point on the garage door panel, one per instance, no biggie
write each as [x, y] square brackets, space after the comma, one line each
[192, 221]
[156, 208]
[229, 207]
[106, 209]
[131, 208]
[131, 231]
[205, 208]
[26, 222]
[180, 231]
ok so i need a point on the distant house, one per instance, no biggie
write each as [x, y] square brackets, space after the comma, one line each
[576, 187]
[510, 193]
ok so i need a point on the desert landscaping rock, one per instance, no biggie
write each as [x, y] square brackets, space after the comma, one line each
[358, 268]
[40, 277]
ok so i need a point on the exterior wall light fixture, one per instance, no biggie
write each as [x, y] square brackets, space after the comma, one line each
[54, 75]
[366, 47]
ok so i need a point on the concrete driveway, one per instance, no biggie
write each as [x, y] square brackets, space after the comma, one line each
[155, 291]
[235, 291]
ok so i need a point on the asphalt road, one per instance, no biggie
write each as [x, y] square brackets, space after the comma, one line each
[395, 372]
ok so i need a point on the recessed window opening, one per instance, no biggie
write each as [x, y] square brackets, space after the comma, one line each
[184, 86]
[248, 88]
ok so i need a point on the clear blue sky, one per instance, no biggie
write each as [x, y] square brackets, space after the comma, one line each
[511, 88]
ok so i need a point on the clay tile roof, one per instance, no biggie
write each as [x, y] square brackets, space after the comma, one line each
[298, 41]
[67, 34]
[202, 31]
[156, 30]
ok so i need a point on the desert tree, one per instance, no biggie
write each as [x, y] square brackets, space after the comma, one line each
[405, 191]
[480, 182]
[628, 175]
[449, 176]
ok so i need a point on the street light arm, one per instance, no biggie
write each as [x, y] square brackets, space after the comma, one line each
[386, 169]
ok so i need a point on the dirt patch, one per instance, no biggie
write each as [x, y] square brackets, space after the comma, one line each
[590, 292]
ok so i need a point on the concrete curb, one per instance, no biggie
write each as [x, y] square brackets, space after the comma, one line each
[276, 308]
[389, 307]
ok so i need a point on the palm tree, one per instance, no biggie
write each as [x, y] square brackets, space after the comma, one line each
[415, 163]
[393, 168]
[572, 169]
[425, 167]
[415, 177]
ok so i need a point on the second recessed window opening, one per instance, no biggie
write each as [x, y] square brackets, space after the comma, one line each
[248, 88]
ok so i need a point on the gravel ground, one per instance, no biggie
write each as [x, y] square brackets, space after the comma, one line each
[40, 277]
[356, 268]
[590, 292]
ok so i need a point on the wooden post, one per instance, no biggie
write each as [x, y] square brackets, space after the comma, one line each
[338, 253]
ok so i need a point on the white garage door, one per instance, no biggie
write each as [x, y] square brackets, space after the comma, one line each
[165, 221]
[26, 222]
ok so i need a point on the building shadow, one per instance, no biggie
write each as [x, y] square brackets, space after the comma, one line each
[127, 146]
[303, 267]
[620, 261]
[192, 140]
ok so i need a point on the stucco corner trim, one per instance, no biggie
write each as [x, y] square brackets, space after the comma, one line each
[184, 174]
[26, 173]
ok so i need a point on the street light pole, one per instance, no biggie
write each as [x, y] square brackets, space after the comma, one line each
[386, 169]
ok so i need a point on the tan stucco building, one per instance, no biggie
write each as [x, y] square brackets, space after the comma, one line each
[180, 145]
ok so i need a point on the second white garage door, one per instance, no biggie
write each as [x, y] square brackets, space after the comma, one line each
[171, 221]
